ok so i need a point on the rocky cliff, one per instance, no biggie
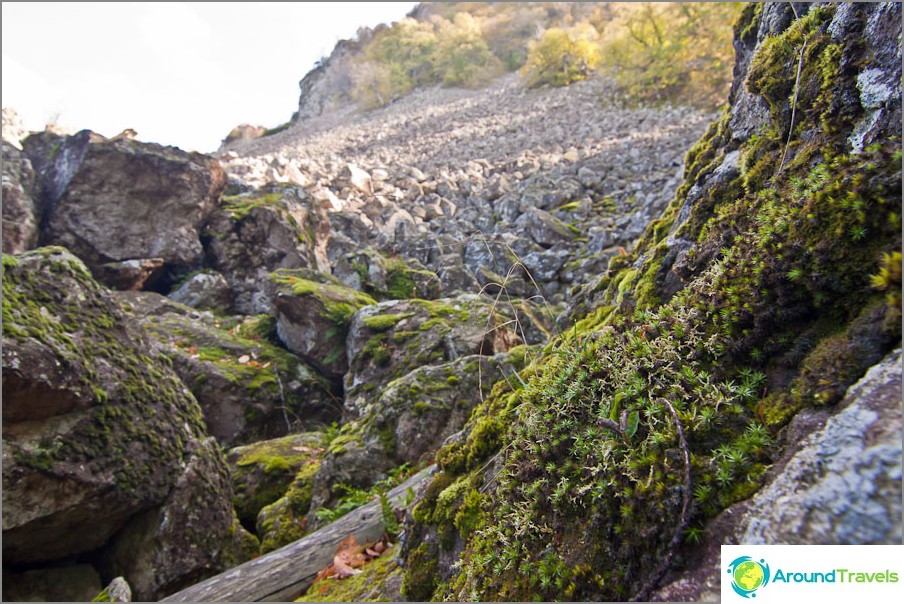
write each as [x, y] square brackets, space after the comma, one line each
[618, 352]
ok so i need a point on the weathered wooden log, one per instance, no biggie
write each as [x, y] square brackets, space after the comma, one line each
[284, 574]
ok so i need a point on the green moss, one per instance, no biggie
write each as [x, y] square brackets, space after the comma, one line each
[419, 580]
[339, 302]
[363, 587]
[386, 322]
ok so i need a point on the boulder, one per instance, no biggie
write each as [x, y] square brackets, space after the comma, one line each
[249, 388]
[313, 312]
[98, 430]
[390, 339]
[21, 214]
[193, 535]
[843, 483]
[253, 234]
[205, 290]
[262, 472]
[113, 201]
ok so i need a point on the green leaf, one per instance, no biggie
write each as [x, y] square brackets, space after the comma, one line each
[633, 422]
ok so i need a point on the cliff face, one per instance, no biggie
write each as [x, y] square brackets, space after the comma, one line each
[748, 303]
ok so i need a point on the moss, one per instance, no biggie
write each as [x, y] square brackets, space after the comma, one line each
[339, 302]
[419, 581]
[49, 296]
[240, 206]
[363, 587]
[386, 322]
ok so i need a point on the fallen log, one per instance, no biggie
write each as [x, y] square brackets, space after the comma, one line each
[284, 574]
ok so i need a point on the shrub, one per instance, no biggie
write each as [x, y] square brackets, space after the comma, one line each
[562, 56]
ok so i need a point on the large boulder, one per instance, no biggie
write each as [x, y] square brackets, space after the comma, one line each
[116, 201]
[313, 311]
[21, 215]
[249, 388]
[393, 338]
[253, 234]
[98, 431]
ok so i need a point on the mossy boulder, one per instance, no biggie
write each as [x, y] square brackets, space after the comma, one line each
[313, 313]
[99, 431]
[391, 339]
[262, 472]
[251, 234]
[285, 520]
[249, 388]
[124, 200]
[388, 278]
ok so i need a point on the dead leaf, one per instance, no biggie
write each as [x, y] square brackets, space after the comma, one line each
[348, 557]
[371, 553]
[622, 251]
[244, 359]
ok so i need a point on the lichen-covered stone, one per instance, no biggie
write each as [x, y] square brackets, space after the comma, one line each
[313, 313]
[262, 472]
[390, 339]
[843, 485]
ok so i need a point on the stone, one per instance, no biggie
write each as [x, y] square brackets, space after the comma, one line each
[190, 537]
[97, 430]
[204, 290]
[249, 389]
[359, 179]
[843, 484]
[21, 213]
[253, 234]
[313, 312]
[263, 471]
[113, 201]
[390, 339]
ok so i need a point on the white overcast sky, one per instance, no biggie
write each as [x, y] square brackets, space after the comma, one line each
[181, 73]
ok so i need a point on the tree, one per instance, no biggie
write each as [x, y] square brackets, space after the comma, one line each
[562, 56]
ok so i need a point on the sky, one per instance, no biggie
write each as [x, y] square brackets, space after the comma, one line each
[181, 73]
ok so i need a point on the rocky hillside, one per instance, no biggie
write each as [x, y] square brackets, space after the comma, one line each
[624, 334]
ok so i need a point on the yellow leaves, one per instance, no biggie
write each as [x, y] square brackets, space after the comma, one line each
[350, 556]
[562, 56]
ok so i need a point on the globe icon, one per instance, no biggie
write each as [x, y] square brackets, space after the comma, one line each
[748, 575]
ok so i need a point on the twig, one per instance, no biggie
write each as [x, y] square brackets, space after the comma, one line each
[644, 594]
[800, 65]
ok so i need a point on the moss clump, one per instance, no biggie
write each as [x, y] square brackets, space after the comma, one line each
[419, 581]
[285, 520]
[368, 586]
[379, 323]
[339, 302]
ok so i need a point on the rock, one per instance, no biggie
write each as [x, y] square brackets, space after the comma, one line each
[118, 590]
[193, 535]
[390, 339]
[253, 234]
[544, 228]
[358, 178]
[843, 485]
[204, 290]
[313, 312]
[13, 129]
[97, 428]
[241, 134]
[263, 471]
[125, 200]
[144, 273]
[285, 520]
[21, 214]
[248, 388]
